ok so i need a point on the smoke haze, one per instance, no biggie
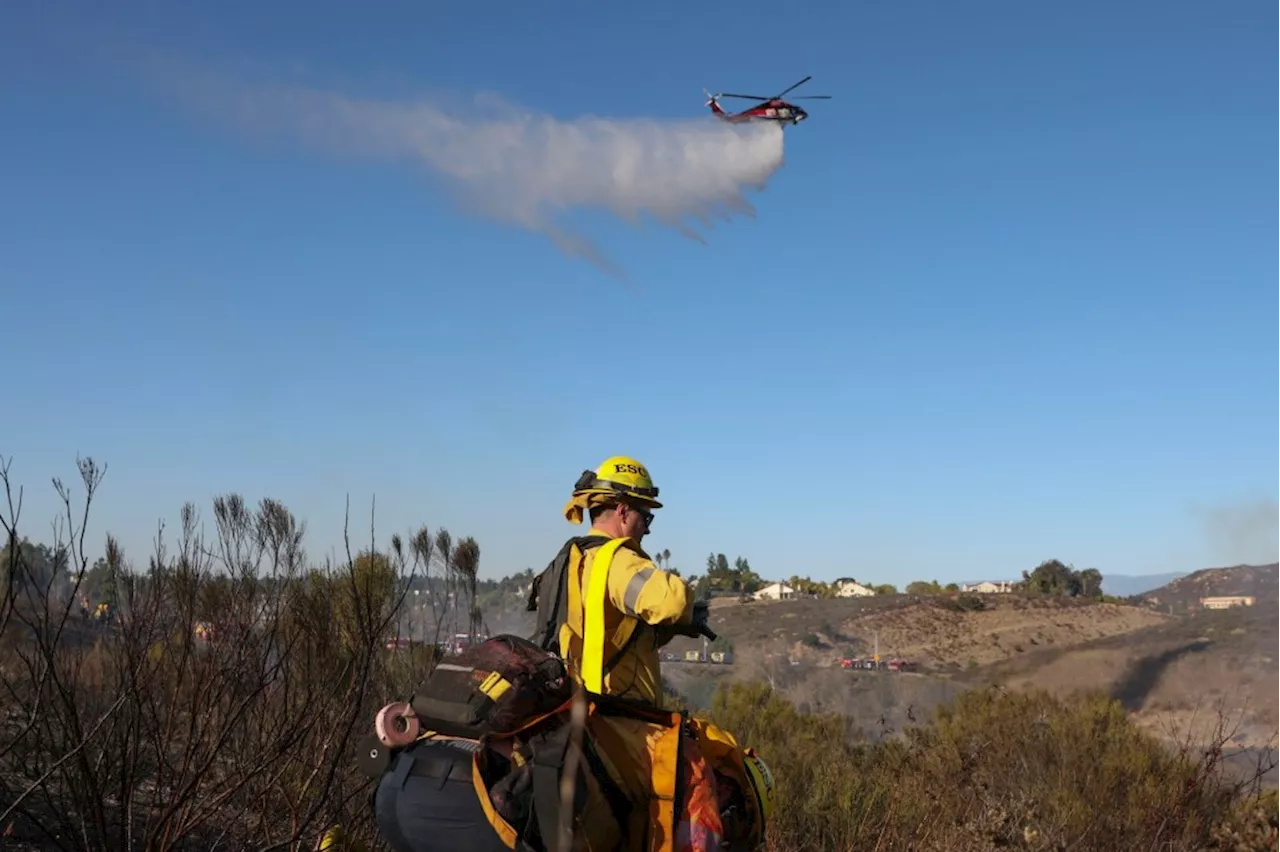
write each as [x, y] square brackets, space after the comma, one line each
[525, 168]
[1244, 532]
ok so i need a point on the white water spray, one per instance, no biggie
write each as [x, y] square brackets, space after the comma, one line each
[524, 168]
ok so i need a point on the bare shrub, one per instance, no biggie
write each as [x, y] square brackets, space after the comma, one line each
[218, 703]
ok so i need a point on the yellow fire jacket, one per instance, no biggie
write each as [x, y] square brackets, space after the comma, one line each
[607, 635]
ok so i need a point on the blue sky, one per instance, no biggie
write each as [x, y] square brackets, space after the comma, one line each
[1011, 297]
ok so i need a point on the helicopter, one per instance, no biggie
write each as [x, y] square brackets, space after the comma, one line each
[771, 109]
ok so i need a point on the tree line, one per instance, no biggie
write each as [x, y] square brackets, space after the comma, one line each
[1051, 578]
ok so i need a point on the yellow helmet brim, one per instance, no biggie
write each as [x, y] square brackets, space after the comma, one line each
[583, 501]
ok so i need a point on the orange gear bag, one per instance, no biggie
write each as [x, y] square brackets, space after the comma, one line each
[742, 819]
[700, 828]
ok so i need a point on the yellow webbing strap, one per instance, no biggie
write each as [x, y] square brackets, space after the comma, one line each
[504, 830]
[494, 686]
[593, 612]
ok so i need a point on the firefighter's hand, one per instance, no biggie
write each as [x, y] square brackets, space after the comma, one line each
[667, 632]
[701, 614]
[663, 634]
[695, 628]
[701, 617]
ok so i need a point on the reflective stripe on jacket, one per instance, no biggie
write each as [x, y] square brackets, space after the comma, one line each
[604, 636]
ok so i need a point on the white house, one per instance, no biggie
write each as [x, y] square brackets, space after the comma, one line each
[986, 587]
[775, 592]
[1228, 601]
[853, 589]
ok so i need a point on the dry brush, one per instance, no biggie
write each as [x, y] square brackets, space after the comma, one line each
[217, 703]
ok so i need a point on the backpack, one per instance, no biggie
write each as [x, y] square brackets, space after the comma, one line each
[523, 798]
[507, 688]
[642, 783]
[549, 594]
[496, 687]
[649, 781]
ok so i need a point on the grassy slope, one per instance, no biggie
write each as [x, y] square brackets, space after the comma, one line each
[1169, 673]
[1172, 672]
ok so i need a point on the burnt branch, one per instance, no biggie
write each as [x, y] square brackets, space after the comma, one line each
[211, 698]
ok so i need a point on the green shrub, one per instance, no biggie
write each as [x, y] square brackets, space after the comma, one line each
[991, 770]
[963, 602]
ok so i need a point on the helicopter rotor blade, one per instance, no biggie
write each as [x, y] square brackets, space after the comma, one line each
[812, 98]
[744, 97]
[794, 85]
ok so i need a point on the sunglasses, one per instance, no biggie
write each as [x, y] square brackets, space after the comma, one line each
[643, 513]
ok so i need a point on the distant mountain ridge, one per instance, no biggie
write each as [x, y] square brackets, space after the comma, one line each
[1127, 585]
[1260, 581]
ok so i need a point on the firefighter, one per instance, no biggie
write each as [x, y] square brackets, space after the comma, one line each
[619, 608]
[426, 801]
[606, 608]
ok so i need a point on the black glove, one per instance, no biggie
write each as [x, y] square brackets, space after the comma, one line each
[698, 626]
[701, 617]
[695, 628]
[701, 613]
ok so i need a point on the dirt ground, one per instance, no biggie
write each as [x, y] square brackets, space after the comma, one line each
[1178, 678]
[769, 643]
[941, 638]
[917, 629]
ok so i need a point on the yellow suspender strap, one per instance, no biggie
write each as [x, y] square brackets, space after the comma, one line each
[593, 612]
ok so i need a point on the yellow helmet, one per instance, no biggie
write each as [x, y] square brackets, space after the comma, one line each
[620, 476]
[761, 781]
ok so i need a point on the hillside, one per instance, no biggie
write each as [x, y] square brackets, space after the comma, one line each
[769, 642]
[1173, 672]
[1176, 678]
[923, 630]
[1184, 593]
